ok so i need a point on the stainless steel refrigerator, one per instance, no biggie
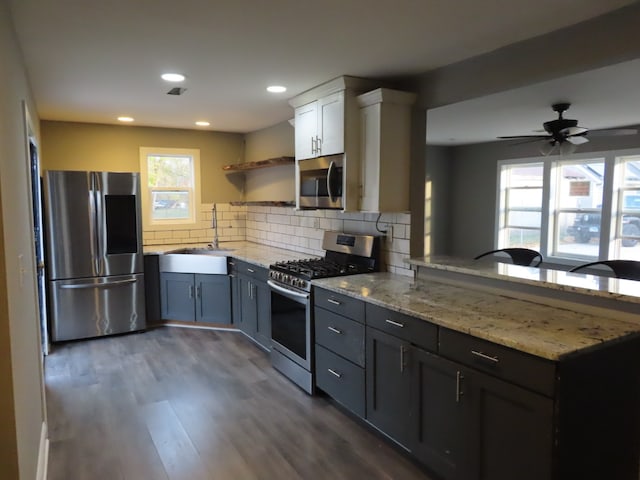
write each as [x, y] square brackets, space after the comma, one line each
[94, 256]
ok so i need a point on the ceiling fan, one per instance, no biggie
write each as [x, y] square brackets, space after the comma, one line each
[564, 134]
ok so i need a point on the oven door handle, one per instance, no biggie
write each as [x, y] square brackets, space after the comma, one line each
[288, 293]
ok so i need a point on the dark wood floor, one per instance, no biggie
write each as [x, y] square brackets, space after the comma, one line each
[175, 403]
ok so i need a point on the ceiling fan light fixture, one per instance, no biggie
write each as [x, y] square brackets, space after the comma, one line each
[567, 148]
[547, 147]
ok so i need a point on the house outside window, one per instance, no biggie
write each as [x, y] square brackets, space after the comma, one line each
[627, 209]
[577, 216]
[582, 208]
[170, 179]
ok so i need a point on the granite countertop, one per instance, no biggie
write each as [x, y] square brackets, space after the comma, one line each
[254, 253]
[594, 285]
[547, 332]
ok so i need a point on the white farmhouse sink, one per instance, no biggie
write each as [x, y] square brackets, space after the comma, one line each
[212, 262]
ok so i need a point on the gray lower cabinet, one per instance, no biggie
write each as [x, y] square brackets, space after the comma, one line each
[470, 409]
[195, 297]
[468, 425]
[254, 308]
[388, 397]
[340, 349]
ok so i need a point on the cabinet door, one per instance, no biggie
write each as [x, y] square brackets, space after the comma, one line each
[263, 314]
[331, 124]
[236, 300]
[441, 416]
[177, 296]
[513, 428]
[388, 384]
[306, 128]
[213, 299]
[248, 318]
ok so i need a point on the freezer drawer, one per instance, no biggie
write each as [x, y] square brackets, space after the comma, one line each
[91, 307]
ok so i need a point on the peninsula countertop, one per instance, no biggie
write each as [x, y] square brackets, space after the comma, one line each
[254, 253]
[544, 331]
[592, 285]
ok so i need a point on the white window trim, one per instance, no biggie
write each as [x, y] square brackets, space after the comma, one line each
[183, 224]
[608, 230]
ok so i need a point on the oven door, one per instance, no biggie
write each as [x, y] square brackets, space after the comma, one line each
[291, 324]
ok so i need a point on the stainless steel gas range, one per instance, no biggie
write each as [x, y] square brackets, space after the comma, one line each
[292, 325]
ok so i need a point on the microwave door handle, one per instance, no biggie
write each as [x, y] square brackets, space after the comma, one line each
[329, 175]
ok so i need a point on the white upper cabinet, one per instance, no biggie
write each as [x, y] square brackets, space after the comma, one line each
[385, 149]
[320, 127]
[306, 128]
[331, 124]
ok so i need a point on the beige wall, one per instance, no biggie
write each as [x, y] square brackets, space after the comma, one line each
[22, 410]
[275, 183]
[85, 146]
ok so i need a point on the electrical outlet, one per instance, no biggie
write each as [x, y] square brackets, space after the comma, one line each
[389, 233]
[316, 223]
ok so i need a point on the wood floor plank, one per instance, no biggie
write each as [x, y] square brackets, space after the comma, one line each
[175, 403]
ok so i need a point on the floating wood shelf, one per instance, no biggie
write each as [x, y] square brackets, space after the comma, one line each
[271, 162]
[266, 203]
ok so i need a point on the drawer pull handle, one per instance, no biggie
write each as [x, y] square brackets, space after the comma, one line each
[395, 324]
[459, 392]
[335, 330]
[485, 356]
[250, 270]
[335, 302]
[334, 373]
[402, 361]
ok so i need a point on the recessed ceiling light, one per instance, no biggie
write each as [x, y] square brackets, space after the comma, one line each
[276, 89]
[202, 124]
[173, 77]
[125, 119]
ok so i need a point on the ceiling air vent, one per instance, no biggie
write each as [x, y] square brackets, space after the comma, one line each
[176, 91]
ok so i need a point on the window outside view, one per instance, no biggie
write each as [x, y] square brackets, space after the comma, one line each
[522, 201]
[170, 181]
[576, 217]
[578, 208]
[627, 221]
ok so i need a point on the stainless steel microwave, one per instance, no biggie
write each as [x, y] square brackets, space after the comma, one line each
[321, 182]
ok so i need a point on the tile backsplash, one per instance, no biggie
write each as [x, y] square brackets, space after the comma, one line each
[297, 230]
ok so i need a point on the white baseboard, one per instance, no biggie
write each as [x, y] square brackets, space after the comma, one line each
[43, 453]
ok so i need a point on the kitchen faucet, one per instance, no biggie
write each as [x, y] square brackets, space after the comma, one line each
[214, 225]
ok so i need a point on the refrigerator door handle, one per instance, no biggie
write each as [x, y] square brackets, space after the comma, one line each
[98, 222]
[117, 283]
[93, 222]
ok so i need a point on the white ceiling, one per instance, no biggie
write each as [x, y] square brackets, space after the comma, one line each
[93, 60]
[603, 98]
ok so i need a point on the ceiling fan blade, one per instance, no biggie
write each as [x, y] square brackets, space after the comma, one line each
[529, 140]
[524, 136]
[610, 132]
[577, 139]
[569, 131]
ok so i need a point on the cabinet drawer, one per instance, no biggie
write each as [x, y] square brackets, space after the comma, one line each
[341, 304]
[340, 335]
[340, 379]
[517, 367]
[250, 270]
[414, 330]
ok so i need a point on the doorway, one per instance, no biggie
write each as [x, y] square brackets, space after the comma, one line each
[36, 202]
